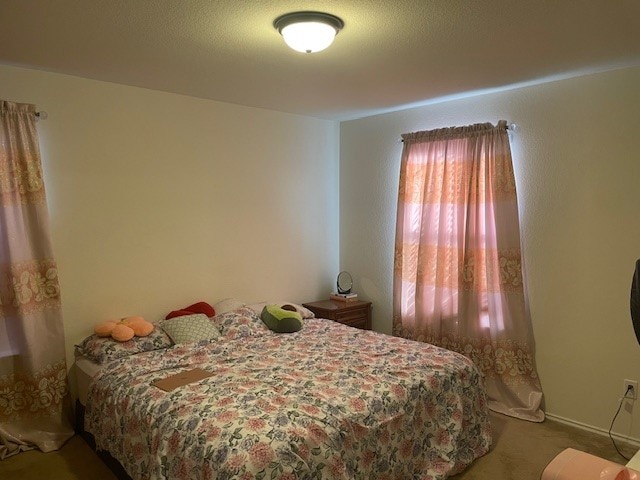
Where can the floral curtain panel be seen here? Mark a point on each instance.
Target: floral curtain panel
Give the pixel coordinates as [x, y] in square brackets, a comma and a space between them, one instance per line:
[34, 410]
[458, 268]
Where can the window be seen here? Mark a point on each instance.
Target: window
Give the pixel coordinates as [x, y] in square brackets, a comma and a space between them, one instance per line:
[7, 348]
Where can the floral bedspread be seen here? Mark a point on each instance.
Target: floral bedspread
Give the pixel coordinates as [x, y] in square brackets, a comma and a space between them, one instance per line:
[327, 402]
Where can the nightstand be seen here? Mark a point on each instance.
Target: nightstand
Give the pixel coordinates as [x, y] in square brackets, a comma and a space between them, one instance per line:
[355, 313]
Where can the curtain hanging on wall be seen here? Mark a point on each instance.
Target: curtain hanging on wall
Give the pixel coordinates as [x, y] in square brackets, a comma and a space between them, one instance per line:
[34, 409]
[458, 271]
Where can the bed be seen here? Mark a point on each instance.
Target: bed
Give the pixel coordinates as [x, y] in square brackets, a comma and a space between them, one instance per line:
[327, 402]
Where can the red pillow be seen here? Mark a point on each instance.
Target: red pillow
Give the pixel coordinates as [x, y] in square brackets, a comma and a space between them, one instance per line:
[178, 313]
[200, 307]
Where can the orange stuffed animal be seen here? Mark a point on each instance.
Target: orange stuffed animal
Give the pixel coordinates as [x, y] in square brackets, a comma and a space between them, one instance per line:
[125, 329]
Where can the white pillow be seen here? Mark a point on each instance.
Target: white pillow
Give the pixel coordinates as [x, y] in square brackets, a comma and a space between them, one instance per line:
[228, 305]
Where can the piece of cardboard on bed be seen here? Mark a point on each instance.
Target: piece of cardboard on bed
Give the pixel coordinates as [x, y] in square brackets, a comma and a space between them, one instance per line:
[181, 379]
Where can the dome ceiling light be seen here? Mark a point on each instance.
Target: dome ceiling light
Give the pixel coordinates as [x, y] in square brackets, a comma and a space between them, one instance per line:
[308, 32]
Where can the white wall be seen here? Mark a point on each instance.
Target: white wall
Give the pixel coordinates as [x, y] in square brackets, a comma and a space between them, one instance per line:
[577, 165]
[159, 200]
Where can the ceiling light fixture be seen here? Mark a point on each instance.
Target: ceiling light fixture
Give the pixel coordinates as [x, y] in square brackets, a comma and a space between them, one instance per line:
[308, 32]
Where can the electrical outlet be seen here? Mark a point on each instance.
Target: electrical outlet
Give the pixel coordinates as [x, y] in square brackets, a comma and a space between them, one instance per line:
[633, 393]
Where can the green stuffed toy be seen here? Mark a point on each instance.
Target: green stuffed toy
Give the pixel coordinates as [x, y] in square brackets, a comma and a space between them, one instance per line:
[281, 319]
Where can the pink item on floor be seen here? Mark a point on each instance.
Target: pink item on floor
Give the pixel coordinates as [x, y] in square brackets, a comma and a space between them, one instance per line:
[572, 464]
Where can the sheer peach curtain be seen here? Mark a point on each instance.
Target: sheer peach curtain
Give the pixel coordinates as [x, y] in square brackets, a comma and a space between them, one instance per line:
[458, 271]
[34, 410]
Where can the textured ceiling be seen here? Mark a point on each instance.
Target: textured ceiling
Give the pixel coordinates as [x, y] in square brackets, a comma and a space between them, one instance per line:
[391, 53]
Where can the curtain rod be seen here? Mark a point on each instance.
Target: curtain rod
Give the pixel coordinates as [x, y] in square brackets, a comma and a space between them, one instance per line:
[42, 115]
[511, 127]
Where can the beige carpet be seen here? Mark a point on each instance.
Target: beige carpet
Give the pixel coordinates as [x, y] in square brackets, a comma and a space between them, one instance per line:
[521, 451]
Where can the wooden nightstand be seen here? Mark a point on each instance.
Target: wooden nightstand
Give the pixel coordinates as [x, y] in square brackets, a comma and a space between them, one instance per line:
[355, 314]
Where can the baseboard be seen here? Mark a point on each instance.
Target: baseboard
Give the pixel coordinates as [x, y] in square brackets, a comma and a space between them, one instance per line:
[590, 428]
